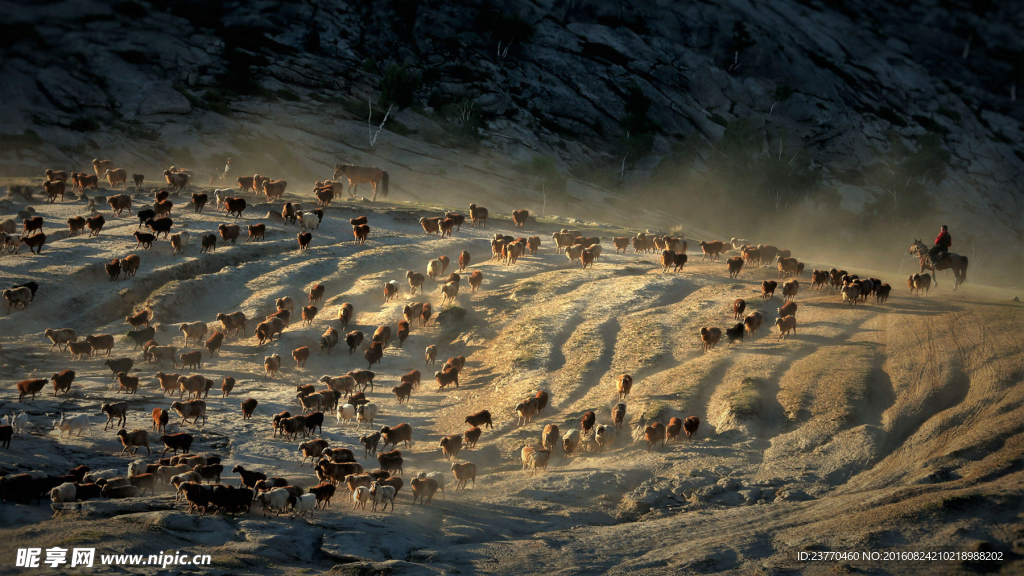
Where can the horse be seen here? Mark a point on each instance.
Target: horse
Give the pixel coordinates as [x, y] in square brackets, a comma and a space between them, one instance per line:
[951, 261]
[358, 174]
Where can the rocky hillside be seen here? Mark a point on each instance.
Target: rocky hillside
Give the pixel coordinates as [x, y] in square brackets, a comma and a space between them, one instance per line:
[599, 93]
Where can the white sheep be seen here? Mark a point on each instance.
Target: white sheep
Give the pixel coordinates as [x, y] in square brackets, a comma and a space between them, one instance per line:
[360, 496]
[382, 495]
[434, 268]
[64, 493]
[71, 425]
[366, 413]
[346, 412]
[303, 504]
[274, 500]
[136, 468]
[19, 422]
[92, 477]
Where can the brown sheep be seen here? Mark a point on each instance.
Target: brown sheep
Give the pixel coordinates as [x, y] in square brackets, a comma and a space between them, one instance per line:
[735, 266]
[587, 423]
[446, 378]
[257, 232]
[75, 225]
[625, 384]
[214, 342]
[790, 289]
[533, 244]
[450, 446]
[345, 314]
[464, 259]
[308, 314]
[116, 177]
[300, 355]
[519, 217]
[26, 387]
[120, 203]
[481, 418]
[464, 471]
[233, 323]
[621, 243]
[134, 439]
[425, 316]
[619, 414]
[373, 354]
[235, 206]
[403, 332]
[80, 350]
[34, 243]
[304, 239]
[786, 324]
[316, 293]
[160, 419]
[653, 434]
[768, 288]
[690, 426]
[550, 437]
[738, 306]
[712, 249]
[95, 224]
[478, 215]
[130, 384]
[788, 310]
[709, 337]
[398, 434]
[675, 426]
[62, 381]
[472, 436]
[361, 233]
[226, 386]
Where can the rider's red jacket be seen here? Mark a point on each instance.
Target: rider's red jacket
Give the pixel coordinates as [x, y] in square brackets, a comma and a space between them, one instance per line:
[944, 240]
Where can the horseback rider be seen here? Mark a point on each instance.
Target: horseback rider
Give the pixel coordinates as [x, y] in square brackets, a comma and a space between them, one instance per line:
[943, 242]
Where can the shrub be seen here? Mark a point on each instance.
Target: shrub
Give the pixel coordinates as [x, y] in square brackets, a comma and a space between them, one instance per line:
[398, 86]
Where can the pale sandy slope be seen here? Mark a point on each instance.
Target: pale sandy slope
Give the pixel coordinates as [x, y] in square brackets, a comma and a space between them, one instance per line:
[875, 427]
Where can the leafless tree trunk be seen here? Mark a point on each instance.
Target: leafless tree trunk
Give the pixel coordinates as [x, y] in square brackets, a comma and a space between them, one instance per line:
[369, 121]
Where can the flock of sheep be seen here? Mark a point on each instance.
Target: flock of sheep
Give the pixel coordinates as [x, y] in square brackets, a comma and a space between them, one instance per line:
[197, 478]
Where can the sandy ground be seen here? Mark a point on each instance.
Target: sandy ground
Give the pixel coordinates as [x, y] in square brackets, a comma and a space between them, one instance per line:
[874, 428]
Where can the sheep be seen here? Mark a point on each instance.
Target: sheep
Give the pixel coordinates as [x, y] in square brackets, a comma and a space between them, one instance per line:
[34, 243]
[229, 232]
[604, 437]
[519, 217]
[33, 386]
[882, 293]
[753, 322]
[69, 425]
[654, 433]
[373, 354]
[768, 288]
[193, 384]
[133, 439]
[62, 381]
[434, 269]
[360, 496]
[160, 419]
[481, 418]
[587, 422]
[193, 359]
[403, 392]
[18, 298]
[392, 462]
[58, 336]
[712, 249]
[63, 493]
[450, 446]
[423, 489]
[179, 241]
[312, 449]
[446, 378]
[346, 412]
[369, 442]
[430, 225]
[265, 331]
[401, 433]
[415, 281]
[174, 442]
[571, 441]
[690, 426]
[118, 411]
[916, 282]
[353, 339]
[709, 337]
[193, 330]
[449, 291]
[366, 413]
[80, 350]
[193, 409]
[526, 411]
[233, 323]
[790, 289]
[425, 316]
[140, 318]
[130, 264]
[431, 354]
[361, 233]
[344, 383]
[464, 471]
[735, 333]
[120, 203]
[478, 214]
[786, 324]
[248, 407]
[574, 253]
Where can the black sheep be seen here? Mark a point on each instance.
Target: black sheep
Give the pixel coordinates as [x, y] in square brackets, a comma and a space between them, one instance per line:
[735, 333]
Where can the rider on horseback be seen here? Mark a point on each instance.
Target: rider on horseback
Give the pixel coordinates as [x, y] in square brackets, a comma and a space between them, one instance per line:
[942, 244]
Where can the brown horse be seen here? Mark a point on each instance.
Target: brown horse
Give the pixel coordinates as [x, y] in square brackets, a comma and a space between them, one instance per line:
[359, 174]
[954, 262]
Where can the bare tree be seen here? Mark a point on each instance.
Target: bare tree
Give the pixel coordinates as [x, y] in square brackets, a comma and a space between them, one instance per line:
[369, 121]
